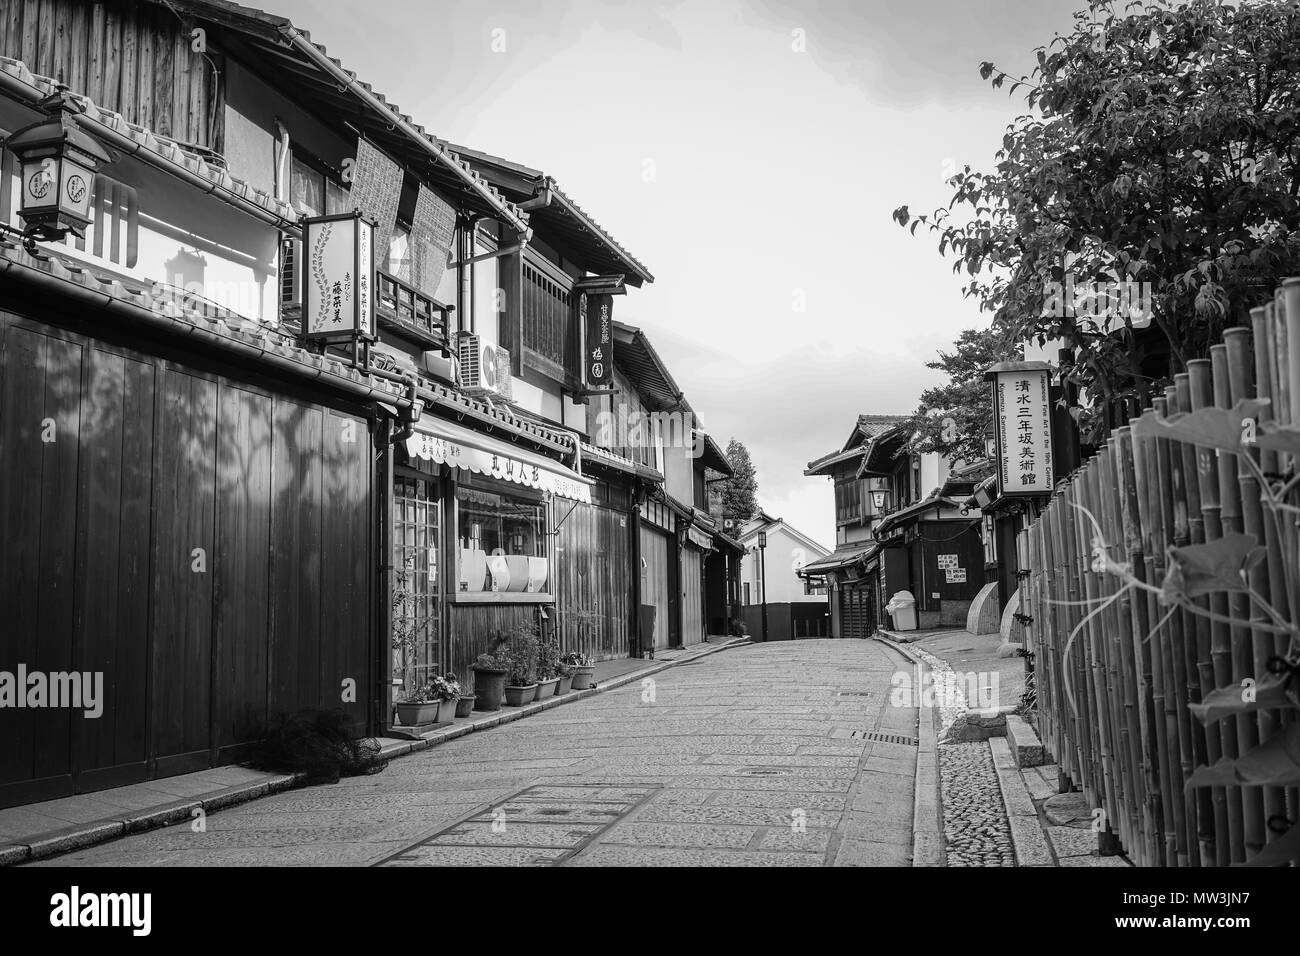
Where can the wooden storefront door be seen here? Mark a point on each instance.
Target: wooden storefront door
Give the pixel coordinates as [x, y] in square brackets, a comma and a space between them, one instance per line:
[417, 618]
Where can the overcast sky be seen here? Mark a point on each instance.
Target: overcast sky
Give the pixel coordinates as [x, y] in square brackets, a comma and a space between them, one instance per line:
[750, 154]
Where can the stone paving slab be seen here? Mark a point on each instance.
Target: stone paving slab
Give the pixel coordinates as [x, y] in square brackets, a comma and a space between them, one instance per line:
[731, 764]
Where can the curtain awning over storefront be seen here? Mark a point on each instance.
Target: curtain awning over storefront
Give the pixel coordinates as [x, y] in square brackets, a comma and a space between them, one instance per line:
[440, 441]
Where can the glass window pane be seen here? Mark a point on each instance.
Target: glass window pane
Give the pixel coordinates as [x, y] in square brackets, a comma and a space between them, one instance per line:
[502, 542]
[307, 188]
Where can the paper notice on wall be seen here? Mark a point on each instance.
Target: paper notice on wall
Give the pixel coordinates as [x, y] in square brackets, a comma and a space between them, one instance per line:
[955, 575]
[947, 561]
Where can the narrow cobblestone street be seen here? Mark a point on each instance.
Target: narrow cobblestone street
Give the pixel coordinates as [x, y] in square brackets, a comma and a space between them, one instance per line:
[779, 754]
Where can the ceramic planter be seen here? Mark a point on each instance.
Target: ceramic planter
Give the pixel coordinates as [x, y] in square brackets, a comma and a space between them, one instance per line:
[582, 676]
[565, 685]
[412, 715]
[518, 696]
[545, 688]
[446, 711]
[465, 705]
[488, 688]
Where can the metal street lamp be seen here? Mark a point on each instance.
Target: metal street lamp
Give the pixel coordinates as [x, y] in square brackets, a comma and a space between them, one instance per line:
[762, 564]
[57, 162]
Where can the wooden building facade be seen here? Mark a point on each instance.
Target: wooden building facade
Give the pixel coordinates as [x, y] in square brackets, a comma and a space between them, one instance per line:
[227, 522]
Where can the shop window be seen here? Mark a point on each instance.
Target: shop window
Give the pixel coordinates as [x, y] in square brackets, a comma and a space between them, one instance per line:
[502, 542]
[398, 264]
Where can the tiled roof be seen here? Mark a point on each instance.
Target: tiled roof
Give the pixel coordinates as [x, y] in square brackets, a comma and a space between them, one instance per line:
[42, 86]
[277, 29]
[205, 317]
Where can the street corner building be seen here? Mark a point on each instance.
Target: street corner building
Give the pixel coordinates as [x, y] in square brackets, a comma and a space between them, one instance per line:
[905, 528]
[301, 405]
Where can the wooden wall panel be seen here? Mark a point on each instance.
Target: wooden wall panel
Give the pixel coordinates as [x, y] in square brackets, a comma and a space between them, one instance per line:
[241, 565]
[149, 460]
[657, 550]
[114, 524]
[345, 580]
[295, 553]
[475, 626]
[184, 503]
[130, 57]
[593, 575]
[692, 597]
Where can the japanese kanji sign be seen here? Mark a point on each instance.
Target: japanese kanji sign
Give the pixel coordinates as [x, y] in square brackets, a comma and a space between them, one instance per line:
[598, 353]
[1023, 412]
[338, 278]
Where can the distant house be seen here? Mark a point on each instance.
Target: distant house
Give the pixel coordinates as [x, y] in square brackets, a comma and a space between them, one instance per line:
[902, 524]
[795, 608]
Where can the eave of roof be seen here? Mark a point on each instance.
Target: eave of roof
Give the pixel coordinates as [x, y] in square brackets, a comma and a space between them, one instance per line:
[915, 510]
[528, 183]
[290, 54]
[840, 558]
[638, 359]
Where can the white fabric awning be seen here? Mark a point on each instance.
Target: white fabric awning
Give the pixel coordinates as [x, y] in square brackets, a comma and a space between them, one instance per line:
[441, 441]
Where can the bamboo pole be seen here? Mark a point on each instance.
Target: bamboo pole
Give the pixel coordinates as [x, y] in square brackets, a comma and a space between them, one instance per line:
[1201, 387]
[1153, 849]
[1144, 460]
[1213, 807]
[1252, 801]
[1241, 386]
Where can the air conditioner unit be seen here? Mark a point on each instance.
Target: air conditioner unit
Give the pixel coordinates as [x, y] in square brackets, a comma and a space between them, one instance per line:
[484, 367]
[438, 365]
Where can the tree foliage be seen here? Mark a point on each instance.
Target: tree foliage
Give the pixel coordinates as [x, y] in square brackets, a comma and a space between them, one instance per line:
[739, 493]
[952, 417]
[1160, 148]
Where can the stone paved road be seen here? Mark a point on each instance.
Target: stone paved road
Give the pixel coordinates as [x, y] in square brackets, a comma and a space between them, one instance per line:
[756, 756]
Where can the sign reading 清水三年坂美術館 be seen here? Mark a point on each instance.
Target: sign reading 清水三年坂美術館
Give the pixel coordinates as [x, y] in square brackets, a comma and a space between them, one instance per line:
[1022, 410]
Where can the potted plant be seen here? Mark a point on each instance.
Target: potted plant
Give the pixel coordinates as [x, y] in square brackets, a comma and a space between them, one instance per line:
[584, 668]
[548, 676]
[490, 672]
[434, 703]
[565, 673]
[521, 682]
[465, 704]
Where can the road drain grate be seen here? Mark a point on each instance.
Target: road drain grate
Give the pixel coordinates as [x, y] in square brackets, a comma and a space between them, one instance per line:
[886, 738]
[853, 693]
[523, 830]
[763, 771]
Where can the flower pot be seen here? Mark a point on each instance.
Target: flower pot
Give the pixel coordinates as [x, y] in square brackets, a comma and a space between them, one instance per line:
[446, 711]
[488, 688]
[565, 685]
[582, 676]
[412, 715]
[465, 705]
[545, 688]
[518, 696]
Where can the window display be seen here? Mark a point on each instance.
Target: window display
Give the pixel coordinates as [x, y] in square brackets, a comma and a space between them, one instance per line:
[502, 542]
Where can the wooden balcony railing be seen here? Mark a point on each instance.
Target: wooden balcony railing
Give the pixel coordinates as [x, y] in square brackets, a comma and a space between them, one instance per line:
[401, 309]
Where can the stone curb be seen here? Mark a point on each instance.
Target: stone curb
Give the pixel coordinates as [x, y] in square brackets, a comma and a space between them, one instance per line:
[82, 835]
[1027, 837]
[927, 818]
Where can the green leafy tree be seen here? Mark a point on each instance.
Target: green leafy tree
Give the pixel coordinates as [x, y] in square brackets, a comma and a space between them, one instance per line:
[1159, 153]
[739, 493]
[953, 417]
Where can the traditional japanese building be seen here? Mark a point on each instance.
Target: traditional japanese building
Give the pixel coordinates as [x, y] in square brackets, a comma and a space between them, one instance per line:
[305, 410]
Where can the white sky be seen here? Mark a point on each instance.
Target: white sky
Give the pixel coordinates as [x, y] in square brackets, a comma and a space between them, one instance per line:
[774, 176]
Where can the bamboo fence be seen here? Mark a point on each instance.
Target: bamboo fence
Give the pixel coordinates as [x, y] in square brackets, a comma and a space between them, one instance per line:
[1117, 669]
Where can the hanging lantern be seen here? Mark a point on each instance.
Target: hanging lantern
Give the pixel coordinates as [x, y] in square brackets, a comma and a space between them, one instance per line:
[57, 162]
[338, 278]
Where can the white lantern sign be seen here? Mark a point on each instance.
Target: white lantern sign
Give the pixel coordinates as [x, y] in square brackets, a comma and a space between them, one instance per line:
[338, 277]
[1022, 410]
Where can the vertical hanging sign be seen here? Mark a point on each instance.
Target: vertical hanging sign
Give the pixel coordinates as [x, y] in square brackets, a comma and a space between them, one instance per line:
[1022, 411]
[338, 278]
[597, 312]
